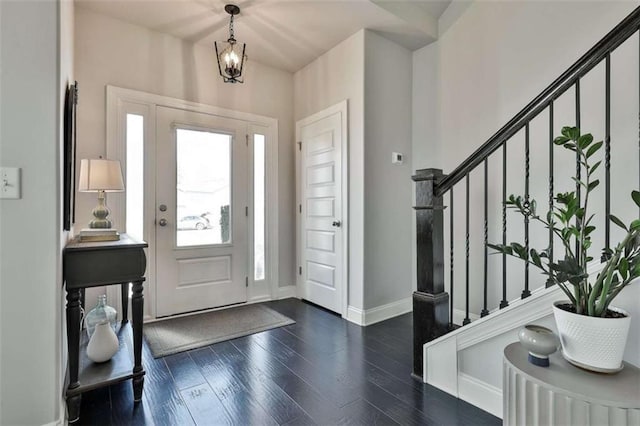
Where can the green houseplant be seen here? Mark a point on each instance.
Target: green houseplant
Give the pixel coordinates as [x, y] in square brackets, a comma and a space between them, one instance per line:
[589, 300]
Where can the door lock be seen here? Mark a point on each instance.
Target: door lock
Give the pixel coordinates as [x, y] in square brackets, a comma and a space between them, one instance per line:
[336, 224]
[162, 222]
[162, 208]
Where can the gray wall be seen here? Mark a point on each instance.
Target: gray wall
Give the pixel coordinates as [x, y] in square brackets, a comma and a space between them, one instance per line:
[387, 188]
[35, 53]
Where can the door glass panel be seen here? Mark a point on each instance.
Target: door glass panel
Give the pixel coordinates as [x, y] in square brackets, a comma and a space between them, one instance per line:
[135, 175]
[258, 206]
[203, 188]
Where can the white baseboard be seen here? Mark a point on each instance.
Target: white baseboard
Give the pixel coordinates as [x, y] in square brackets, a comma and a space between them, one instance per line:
[480, 394]
[62, 419]
[287, 292]
[379, 313]
[355, 315]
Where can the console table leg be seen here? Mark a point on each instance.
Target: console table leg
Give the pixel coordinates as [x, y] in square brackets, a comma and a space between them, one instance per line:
[73, 408]
[137, 309]
[73, 346]
[124, 291]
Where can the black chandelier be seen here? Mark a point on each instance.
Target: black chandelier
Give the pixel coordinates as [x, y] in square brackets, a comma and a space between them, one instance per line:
[230, 53]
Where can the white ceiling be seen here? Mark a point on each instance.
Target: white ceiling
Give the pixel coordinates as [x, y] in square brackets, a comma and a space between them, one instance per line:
[285, 34]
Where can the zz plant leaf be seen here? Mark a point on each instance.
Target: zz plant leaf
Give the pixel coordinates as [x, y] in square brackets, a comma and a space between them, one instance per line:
[570, 222]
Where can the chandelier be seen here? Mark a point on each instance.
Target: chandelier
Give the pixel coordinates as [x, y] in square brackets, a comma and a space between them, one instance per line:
[230, 53]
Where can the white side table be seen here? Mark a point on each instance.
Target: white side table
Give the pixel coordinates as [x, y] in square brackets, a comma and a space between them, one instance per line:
[563, 394]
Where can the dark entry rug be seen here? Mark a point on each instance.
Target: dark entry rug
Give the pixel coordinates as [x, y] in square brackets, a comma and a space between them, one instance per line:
[173, 335]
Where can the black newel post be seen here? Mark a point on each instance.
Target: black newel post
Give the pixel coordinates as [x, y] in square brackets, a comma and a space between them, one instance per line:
[430, 302]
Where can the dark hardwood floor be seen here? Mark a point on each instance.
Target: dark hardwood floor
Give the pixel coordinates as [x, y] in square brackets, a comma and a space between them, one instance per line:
[322, 370]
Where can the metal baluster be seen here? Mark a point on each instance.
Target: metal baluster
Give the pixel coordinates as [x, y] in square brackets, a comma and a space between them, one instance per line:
[549, 280]
[466, 318]
[607, 155]
[578, 167]
[451, 286]
[527, 207]
[485, 311]
[504, 303]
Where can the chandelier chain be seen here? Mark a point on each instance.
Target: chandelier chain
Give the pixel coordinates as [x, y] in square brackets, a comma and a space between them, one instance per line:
[231, 35]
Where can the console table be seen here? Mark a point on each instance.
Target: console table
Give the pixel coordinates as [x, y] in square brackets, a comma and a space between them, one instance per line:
[563, 394]
[96, 264]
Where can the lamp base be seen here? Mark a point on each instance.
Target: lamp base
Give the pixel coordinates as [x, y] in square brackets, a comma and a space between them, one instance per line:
[100, 224]
[100, 214]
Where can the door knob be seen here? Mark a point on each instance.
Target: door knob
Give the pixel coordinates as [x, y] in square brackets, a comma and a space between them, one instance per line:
[162, 222]
[336, 223]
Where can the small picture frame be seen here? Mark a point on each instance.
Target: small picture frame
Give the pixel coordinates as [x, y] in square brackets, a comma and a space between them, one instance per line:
[69, 156]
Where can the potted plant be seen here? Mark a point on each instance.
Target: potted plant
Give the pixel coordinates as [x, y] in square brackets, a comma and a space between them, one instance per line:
[592, 332]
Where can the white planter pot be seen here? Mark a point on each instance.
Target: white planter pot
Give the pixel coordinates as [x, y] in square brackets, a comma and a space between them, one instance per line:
[592, 343]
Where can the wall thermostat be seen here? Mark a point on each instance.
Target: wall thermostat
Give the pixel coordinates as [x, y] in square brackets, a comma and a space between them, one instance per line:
[396, 158]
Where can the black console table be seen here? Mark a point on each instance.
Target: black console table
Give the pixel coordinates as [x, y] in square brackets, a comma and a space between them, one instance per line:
[96, 264]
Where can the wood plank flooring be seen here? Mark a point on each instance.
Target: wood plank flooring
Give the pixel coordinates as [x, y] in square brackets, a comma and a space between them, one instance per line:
[322, 370]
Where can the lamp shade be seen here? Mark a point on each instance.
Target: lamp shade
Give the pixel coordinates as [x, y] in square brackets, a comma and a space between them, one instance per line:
[100, 175]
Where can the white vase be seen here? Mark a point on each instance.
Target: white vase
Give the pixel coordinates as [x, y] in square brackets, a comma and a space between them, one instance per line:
[103, 343]
[592, 343]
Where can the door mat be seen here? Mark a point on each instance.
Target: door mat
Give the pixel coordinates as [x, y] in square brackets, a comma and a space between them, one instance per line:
[173, 335]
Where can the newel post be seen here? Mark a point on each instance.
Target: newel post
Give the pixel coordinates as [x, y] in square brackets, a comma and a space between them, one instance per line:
[430, 302]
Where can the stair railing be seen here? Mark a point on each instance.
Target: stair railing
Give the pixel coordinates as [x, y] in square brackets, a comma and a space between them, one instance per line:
[433, 307]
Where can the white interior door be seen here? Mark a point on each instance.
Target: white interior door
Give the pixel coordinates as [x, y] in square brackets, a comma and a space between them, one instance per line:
[201, 222]
[321, 248]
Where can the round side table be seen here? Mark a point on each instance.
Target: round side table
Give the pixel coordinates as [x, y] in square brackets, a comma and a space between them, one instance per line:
[563, 394]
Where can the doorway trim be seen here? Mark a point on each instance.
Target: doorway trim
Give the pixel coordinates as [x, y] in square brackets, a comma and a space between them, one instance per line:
[342, 109]
[122, 101]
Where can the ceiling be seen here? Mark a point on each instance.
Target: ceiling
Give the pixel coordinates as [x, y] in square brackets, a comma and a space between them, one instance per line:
[285, 34]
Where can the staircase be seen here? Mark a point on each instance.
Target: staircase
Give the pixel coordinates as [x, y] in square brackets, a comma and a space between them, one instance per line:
[451, 314]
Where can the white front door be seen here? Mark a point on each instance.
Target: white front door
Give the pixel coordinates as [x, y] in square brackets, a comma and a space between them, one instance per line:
[201, 222]
[321, 248]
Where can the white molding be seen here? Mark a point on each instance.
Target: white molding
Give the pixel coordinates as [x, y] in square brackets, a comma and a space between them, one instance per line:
[440, 366]
[504, 319]
[120, 101]
[379, 313]
[287, 292]
[342, 109]
[459, 315]
[355, 315]
[481, 394]
[390, 310]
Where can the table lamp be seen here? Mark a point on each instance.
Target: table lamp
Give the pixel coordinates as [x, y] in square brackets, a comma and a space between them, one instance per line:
[100, 175]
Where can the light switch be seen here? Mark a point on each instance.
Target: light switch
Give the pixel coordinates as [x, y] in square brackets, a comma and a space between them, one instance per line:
[9, 183]
[397, 158]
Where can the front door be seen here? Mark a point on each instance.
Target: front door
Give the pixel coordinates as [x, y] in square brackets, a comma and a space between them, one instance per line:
[321, 236]
[201, 222]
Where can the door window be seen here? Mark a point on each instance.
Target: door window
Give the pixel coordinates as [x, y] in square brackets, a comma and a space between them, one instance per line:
[203, 188]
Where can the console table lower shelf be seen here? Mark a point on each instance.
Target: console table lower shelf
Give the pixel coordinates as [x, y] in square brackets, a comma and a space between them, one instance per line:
[563, 394]
[95, 375]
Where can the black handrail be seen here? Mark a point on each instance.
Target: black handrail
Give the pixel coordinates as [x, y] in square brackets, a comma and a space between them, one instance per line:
[589, 60]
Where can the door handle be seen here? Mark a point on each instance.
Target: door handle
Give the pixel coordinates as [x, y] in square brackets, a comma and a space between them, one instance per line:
[162, 222]
[336, 224]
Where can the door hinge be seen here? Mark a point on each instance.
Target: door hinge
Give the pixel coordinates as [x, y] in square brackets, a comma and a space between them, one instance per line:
[300, 146]
[300, 208]
[246, 281]
[246, 211]
[247, 139]
[299, 270]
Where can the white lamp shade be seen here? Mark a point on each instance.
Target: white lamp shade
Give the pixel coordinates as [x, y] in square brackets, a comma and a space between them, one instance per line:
[100, 175]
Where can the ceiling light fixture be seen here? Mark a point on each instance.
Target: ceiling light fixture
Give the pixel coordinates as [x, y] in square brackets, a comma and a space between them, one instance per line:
[230, 53]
